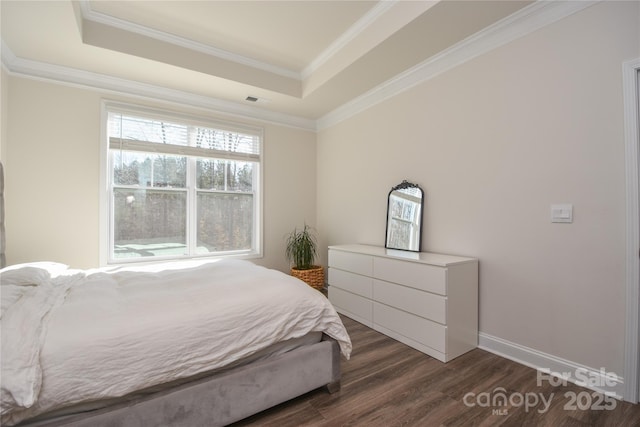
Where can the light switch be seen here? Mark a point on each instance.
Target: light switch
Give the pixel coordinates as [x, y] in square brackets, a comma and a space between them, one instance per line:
[562, 213]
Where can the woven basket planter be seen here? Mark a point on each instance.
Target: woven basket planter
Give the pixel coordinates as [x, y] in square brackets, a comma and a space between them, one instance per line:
[313, 277]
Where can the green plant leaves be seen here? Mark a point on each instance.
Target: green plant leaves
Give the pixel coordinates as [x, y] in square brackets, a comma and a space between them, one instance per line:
[301, 248]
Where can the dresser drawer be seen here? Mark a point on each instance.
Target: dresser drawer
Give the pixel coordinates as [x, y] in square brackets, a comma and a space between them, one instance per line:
[414, 327]
[423, 304]
[352, 305]
[419, 276]
[354, 283]
[349, 261]
[425, 300]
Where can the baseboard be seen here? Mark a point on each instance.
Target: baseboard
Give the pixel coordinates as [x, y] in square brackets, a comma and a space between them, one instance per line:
[595, 379]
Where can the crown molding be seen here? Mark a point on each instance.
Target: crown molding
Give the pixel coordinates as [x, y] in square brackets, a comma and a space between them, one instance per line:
[101, 18]
[354, 31]
[527, 20]
[85, 79]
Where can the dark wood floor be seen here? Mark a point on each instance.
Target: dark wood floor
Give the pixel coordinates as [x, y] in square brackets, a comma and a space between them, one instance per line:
[389, 384]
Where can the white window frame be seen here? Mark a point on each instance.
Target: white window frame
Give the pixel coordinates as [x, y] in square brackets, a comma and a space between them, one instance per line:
[106, 196]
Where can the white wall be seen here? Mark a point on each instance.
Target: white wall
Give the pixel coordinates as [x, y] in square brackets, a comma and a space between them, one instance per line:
[494, 142]
[53, 175]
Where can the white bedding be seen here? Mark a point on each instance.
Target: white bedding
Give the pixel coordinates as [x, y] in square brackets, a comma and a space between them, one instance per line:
[108, 332]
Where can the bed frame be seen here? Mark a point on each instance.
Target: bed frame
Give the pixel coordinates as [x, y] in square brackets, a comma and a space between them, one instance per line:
[224, 398]
[217, 400]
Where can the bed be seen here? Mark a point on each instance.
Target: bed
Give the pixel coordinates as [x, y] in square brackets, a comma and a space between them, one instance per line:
[189, 343]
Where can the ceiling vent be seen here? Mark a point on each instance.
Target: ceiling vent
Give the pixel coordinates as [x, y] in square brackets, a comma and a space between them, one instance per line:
[257, 100]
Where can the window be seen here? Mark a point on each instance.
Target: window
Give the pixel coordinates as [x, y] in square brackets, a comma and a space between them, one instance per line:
[181, 187]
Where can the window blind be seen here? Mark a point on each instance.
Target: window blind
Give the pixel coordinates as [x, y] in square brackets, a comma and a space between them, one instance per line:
[166, 135]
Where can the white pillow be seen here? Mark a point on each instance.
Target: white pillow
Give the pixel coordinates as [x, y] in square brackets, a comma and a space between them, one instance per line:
[31, 273]
[17, 280]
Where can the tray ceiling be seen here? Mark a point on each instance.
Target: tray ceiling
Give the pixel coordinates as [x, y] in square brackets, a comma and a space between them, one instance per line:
[299, 58]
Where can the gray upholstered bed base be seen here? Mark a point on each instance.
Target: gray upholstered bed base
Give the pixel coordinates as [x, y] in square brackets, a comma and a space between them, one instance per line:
[227, 397]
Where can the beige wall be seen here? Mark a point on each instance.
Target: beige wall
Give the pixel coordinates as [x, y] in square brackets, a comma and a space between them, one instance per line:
[53, 175]
[494, 143]
[3, 113]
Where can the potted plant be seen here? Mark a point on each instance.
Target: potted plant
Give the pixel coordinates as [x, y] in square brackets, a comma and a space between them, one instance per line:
[301, 251]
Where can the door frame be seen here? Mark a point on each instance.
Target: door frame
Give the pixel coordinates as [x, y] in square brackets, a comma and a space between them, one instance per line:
[631, 97]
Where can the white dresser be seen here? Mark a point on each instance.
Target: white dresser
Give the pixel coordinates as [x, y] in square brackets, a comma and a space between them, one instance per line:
[428, 301]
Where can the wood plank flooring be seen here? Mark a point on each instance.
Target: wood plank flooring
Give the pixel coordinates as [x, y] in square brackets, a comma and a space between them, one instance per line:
[386, 383]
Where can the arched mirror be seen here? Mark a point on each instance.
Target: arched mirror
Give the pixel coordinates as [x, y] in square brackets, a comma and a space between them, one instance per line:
[404, 217]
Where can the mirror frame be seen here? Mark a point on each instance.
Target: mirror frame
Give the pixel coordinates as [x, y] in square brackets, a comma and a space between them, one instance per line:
[402, 186]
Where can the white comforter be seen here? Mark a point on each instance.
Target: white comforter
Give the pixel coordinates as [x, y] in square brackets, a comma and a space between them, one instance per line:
[72, 336]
